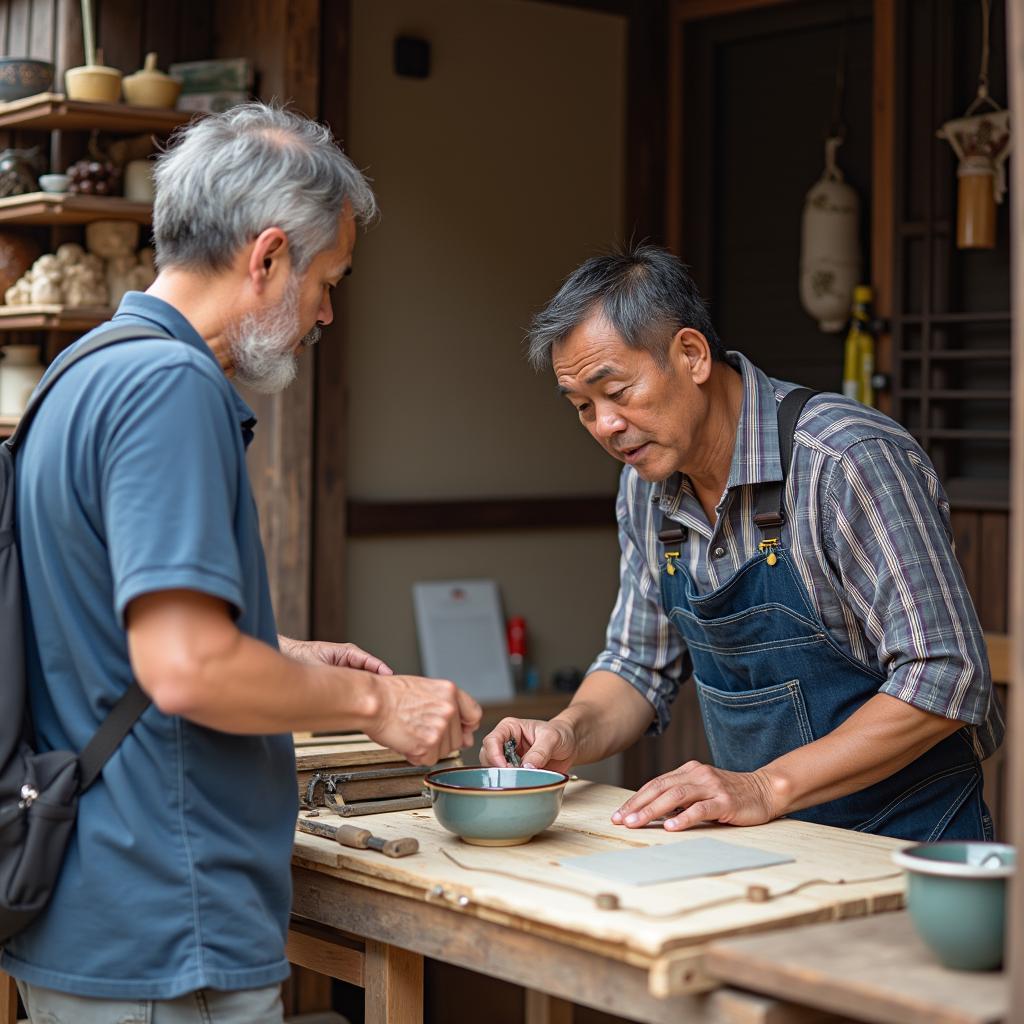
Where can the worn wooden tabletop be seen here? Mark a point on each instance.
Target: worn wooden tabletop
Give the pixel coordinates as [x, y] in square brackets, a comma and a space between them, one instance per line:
[836, 874]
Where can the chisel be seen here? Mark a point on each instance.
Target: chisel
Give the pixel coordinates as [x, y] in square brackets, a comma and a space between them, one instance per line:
[363, 839]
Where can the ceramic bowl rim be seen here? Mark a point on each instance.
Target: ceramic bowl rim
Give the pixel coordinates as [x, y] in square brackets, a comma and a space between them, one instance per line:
[430, 780]
[952, 869]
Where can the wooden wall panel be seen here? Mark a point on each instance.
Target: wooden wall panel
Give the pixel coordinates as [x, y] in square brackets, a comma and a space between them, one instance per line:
[1015, 908]
[982, 545]
[330, 491]
[282, 38]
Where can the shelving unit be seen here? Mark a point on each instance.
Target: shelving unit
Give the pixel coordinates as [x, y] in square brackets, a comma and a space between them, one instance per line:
[52, 111]
[52, 318]
[48, 112]
[58, 209]
[950, 318]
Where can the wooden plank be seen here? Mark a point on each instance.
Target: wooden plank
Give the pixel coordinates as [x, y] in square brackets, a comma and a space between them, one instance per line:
[839, 874]
[65, 208]
[52, 111]
[998, 645]
[376, 519]
[19, 27]
[993, 561]
[119, 33]
[534, 961]
[883, 196]
[394, 985]
[544, 1009]
[42, 37]
[965, 526]
[51, 318]
[733, 1006]
[281, 39]
[8, 999]
[329, 581]
[325, 952]
[1015, 909]
[877, 966]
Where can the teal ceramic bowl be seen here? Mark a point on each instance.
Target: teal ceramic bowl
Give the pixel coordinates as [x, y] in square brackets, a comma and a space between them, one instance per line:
[956, 893]
[496, 806]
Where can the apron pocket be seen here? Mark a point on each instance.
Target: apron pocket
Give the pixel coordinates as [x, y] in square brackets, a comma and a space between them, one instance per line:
[749, 728]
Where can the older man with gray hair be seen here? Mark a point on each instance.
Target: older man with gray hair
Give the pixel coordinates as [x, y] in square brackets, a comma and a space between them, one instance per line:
[143, 567]
[792, 552]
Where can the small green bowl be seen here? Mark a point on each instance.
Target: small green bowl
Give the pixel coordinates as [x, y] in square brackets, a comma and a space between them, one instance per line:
[496, 806]
[956, 893]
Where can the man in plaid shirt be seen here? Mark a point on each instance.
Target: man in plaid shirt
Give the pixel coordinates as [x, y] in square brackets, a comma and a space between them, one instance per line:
[792, 552]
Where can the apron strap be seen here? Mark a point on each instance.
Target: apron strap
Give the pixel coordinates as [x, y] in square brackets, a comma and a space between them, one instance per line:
[770, 514]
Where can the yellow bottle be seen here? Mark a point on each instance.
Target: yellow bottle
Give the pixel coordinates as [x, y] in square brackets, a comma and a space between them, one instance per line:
[859, 355]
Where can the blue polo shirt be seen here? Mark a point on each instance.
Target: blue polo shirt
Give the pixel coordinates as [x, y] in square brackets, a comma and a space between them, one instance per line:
[133, 480]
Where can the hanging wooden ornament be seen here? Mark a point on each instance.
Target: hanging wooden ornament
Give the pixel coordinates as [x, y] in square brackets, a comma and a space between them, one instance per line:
[982, 144]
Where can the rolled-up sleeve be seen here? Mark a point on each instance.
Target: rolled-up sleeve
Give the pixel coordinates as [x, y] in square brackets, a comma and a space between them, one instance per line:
[642, 646]
[888, 535]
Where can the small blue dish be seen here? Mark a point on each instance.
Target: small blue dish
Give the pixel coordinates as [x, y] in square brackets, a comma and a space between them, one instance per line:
[21, 77]
[496, 806]
[956, 894]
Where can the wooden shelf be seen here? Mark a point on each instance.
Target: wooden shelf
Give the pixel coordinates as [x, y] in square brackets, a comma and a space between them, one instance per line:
[987, 317]
[7, 425]
[65, 208]
[378, 519]
[939, 355]
[51, 318]
[49, 111]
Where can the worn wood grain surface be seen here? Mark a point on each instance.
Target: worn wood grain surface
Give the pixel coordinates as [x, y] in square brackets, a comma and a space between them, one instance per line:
[876, 968]
[841, 874]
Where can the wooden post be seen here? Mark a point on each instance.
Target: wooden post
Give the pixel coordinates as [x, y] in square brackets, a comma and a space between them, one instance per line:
[8, 999]
[1015, 742]
[544, 1009]
[393, 984]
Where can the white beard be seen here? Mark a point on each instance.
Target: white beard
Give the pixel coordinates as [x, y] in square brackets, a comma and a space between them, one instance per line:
[262, 344]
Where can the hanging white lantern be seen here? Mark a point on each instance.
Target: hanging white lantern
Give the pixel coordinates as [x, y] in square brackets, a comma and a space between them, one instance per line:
[830, 245]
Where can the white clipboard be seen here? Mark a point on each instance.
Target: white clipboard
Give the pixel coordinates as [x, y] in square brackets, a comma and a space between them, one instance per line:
[461, 631]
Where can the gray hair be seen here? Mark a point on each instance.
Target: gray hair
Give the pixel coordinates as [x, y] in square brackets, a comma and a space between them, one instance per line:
[644, 292]
[227, 177]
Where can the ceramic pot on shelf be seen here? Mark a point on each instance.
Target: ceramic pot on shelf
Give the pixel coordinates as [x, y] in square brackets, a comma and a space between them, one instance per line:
[150, 87]
[17, 253]
[20, 371]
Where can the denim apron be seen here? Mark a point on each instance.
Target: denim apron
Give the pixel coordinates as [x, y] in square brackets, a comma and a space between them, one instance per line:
[770, 679]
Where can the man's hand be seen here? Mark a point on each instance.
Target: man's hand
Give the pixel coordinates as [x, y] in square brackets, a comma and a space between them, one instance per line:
[550, 745]
[423, 719]
[321, 652]
[699, 792]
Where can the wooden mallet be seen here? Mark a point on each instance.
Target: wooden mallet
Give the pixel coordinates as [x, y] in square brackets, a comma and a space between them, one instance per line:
[363, 839]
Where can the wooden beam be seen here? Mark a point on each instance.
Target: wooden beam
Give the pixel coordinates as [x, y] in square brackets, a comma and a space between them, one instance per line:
[329, 579]
[325, 952]
[283, 40]
[1015, 742]
[394, 985]
[883, 160]
[544, 1009]
[8, 999]
[376, 519]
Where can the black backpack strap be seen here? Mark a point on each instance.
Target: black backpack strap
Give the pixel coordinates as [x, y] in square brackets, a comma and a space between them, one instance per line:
[769, 514]
[113, 335]
[107, 738]
[125, 713]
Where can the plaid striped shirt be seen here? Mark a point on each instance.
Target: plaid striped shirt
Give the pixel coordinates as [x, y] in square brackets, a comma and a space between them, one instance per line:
[867, 526]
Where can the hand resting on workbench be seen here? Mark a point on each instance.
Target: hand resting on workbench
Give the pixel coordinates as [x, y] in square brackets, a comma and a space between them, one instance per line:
[190, 657]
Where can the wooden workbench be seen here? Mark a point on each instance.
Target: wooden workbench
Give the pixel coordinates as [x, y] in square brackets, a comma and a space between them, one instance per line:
[516, 914]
